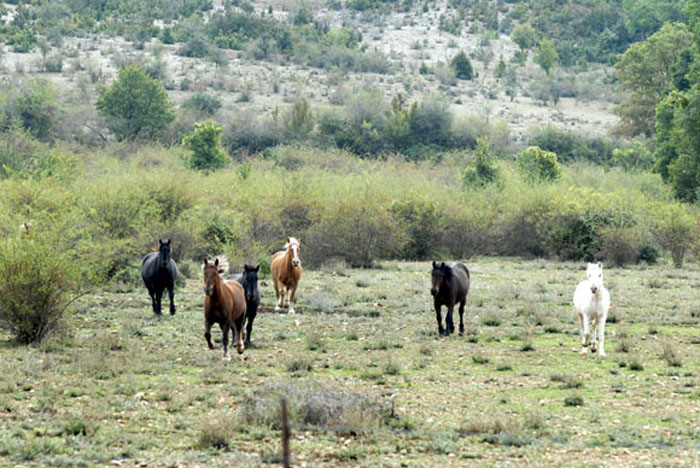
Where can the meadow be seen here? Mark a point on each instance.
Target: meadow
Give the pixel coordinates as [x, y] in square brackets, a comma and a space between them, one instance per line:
[368, 380]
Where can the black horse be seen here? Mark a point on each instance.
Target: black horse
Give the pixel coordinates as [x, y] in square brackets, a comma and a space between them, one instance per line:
[159, 271]
[249, 280]
[450, 286]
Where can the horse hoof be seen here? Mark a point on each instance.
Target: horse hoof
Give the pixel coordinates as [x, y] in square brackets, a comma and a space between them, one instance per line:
[601, 354]
[584, 351]
[277, 308]
[227, 357]
[172, 311]
[291, 312]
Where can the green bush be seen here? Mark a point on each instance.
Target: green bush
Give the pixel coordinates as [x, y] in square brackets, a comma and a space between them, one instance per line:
[37, 283]
[205, 144]
[538, 165]
[484, 172]
[462, 66]
[676, 232]
[420, 222]
[23, 157]
[357, 231]
[570, 146]
[204, 103]
[135, 105]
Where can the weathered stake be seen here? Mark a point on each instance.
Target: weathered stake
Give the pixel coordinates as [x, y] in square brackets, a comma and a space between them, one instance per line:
[285, 435]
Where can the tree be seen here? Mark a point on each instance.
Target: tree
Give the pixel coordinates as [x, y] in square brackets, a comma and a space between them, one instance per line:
[462, 66]
[646, 70]
[546, 55]
[483, 172]
[524, 35]
[205, 143]
[135, 105]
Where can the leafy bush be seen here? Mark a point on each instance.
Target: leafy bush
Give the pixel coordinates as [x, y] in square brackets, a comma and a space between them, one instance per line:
[419, 220]
[203, 103]
[620, 246]
[355, 230]
[484, 172]
[538, 165]
[205, 144]
[23, 157]
[675, 232]
[37, 283]
[134, 105]
[31, 106]
[637, 157]
[570, 146]
[462, 66]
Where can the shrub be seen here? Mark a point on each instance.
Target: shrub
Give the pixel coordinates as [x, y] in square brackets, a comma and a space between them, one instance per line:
[31, 106]
[635, 158]
[462, 66]
[205, 144]
[419, 220]
[299, 121]
[484, 172]
[134, 105]
[675, 233]
[203, 103]
[23, 157]
[620, 245]
[37, 283]
[314, 405]
[357, 231]
[569, 146]
[430, 122]
[538, 165]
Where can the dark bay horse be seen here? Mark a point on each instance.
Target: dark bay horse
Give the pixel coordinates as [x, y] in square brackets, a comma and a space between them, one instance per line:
[159, 271]
[249, 280]
[286, 272]
[224, 303]
[450, 286]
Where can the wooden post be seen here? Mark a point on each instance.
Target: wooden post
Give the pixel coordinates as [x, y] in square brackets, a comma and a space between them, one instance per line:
[285, 435]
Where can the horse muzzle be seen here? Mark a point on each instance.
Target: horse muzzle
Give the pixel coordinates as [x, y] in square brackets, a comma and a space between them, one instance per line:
[433, 292]
[594, 289]
[295, 263]
[250, 298]
[208, 291]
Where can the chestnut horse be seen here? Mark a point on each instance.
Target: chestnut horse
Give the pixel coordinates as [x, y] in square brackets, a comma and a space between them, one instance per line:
[286, 272]
[224, 304]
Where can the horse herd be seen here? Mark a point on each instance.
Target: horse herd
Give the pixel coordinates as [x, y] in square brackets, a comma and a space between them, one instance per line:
[232, 302]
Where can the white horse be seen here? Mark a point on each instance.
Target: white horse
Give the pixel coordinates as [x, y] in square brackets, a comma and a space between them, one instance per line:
[592, 302]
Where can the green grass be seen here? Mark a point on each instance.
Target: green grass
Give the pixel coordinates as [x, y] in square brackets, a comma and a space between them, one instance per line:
[120, 384]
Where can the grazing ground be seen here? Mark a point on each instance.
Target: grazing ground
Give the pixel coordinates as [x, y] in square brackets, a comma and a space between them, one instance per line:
[368, 380]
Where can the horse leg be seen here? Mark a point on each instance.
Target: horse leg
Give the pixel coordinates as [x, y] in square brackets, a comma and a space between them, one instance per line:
[238, 330]
[585, 333]
[461, 317]
[207, 333]
[292, 293]
[152, 295]
[438, 316]
[159, 298]
[250, 316]
[449, 324]
[171, 295]
[224, 340]
[601, 336]
[279, 295]
[594, 332]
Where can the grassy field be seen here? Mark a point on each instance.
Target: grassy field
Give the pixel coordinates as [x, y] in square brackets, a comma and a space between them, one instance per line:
[369, 382]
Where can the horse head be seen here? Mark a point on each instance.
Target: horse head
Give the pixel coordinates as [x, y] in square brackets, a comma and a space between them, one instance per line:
[164, 253]
[440, 273]
[293, 244]
[594, 272]
[211, 273]
[250, 281]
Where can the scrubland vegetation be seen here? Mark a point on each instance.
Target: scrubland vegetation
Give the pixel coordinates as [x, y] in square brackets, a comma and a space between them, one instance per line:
[383, 134]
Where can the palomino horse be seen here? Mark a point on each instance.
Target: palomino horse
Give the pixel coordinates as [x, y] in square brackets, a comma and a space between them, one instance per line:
[286, 272]
[224, 304]
[159, 272]
[592, 302]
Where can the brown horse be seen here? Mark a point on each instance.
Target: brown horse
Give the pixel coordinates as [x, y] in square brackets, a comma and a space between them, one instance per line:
[224, 304]
[286, 272]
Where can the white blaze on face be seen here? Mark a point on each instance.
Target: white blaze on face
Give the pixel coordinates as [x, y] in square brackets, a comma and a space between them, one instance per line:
[594, 272]
[295, 252]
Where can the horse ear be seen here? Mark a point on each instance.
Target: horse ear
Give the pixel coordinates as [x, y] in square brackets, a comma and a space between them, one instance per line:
[442, 265]
[434, 264]
[206, 261]
[216, 262]
[288, 241]
[168, 242]
[257, 268]
[160, 241]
